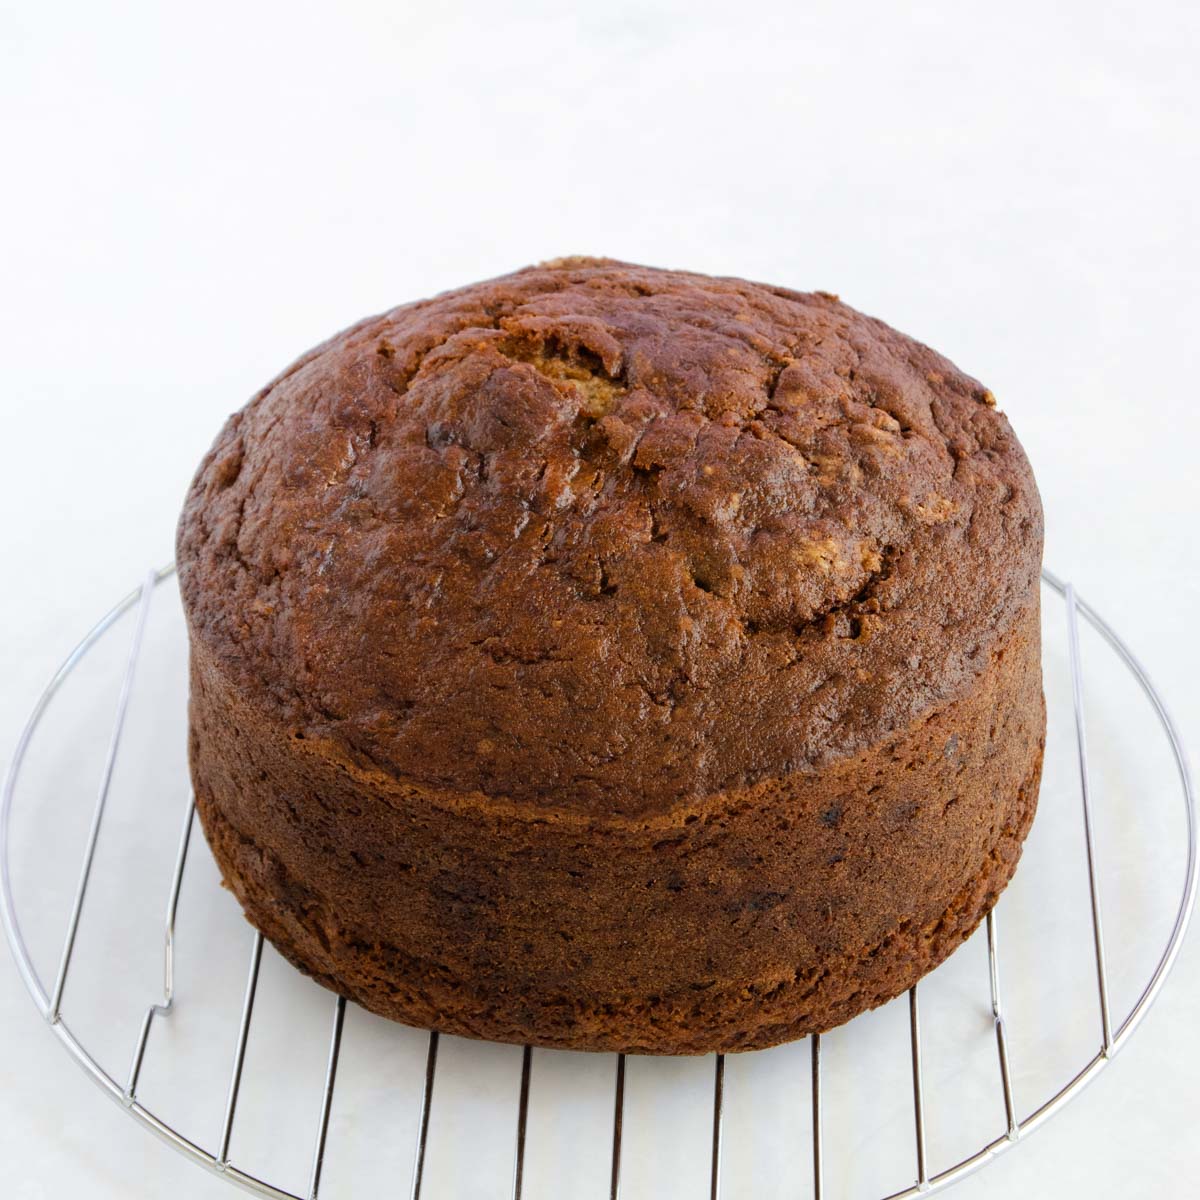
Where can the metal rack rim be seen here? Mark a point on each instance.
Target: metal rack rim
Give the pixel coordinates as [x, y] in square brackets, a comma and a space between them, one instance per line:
[219, 1165]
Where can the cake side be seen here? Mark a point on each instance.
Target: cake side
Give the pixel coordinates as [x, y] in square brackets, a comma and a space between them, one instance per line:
[777, 912]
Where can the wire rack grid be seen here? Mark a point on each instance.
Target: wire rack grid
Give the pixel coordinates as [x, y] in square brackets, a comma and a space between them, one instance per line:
[49, 1002]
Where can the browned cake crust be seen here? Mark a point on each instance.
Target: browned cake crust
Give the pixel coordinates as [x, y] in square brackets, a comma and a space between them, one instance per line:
[614, 658]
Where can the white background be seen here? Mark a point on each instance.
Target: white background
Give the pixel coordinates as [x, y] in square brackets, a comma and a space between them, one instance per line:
[192, 195]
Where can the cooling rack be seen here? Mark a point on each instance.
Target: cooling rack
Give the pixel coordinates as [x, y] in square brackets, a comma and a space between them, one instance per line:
[1115, 1024]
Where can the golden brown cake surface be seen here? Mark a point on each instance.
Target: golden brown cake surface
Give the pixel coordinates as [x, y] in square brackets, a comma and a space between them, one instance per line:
[616, 658]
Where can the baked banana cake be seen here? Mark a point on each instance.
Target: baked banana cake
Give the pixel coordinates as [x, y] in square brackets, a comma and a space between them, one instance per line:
[615, 658]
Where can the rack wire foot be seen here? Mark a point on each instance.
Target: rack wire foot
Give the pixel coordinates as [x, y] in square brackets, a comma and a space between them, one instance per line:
[164, 1006]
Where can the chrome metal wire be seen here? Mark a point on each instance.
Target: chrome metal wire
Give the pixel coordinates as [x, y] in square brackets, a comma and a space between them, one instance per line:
[714, 1187]
[815, 1058]
[239, 1053]
[914, 1033]
[1001, 1035]
[335, 1046]
[614, 1190]
[1085, 792]
[110, 761]
[162, 1007]
[522, 1122]
[50, 1004]
[423, 1118]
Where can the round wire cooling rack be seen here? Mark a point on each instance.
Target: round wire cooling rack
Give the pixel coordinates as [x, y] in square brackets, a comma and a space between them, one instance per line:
[1117, 1021]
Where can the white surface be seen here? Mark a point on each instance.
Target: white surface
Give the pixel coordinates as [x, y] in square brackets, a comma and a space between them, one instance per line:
[193, 196]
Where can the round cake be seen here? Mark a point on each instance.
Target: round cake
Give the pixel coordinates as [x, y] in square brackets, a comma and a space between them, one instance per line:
[613, 658]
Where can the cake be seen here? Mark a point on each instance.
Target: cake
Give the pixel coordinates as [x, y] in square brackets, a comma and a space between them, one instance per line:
[613, 658]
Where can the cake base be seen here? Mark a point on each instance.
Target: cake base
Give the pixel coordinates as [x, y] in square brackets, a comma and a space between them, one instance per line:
[720, 1020]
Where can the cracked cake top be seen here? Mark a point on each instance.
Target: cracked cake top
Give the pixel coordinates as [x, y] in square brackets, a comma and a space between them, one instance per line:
[606, 539]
